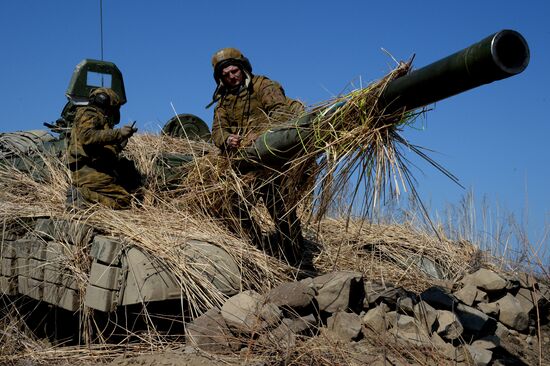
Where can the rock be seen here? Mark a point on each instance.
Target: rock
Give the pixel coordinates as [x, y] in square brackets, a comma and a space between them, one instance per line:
[467, 294]
[339, 291]
[439, 298]
[543, 295]
[512, 313]
[405, 304]
[442, 346]
[526, 299]
[345, 326]
[489, 308]
[489, 342]
[426, 316]
[375, 319]
[458, 354]
[429, 267]
[391, 319]
[437, 340]
[376, 294]
[373, 291]
[247, 312]
[472, 319]
[407, 324]
[292, 296]
[285, 334]
[308, 281]
[480, 356]
[444, 284]
[486, 280]
[481, 296]
[502, 331]
[416, 338]
[301, 324]
[280, 338]
[210, 333]
[450, 327]
[512, 285]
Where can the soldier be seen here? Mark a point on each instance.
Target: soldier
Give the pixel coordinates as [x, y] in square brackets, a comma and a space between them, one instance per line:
[247, 106]
[99, 174]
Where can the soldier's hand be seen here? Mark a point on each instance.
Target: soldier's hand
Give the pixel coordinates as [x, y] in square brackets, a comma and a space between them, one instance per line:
[233, 141]
[123, 144]
[127, 131]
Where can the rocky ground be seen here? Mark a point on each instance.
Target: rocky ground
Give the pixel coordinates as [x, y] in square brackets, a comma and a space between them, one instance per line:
[340, 318]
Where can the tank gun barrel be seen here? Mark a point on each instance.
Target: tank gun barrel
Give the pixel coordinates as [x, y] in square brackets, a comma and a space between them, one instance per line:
[498, 56]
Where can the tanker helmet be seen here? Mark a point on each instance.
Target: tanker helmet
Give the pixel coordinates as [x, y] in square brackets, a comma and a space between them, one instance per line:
[229, 56]
[105, 98]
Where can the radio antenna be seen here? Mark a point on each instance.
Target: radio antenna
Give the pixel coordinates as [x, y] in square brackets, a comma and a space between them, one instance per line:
[101, 33]
[101, 26]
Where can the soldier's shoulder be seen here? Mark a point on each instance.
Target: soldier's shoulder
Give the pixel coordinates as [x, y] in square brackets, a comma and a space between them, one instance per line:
[87, 116]
[87, 111]
[260, 79]
[261, 82]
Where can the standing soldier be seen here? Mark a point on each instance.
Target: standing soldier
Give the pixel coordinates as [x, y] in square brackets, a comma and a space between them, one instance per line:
[98, 173]
[247, 106]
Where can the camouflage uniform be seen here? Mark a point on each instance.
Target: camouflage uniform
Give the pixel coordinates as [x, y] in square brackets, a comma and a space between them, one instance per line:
[248, 112]
[251, 111]
[97, 172]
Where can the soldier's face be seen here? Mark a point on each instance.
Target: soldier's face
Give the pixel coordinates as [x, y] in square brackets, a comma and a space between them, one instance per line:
[232, 76]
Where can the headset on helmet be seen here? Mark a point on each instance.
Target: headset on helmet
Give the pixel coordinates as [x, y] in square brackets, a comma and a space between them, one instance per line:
[104, 98]
[109, 101]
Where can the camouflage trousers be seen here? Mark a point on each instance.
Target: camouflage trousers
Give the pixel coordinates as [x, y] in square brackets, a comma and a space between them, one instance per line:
[110, 187]
[288, 241]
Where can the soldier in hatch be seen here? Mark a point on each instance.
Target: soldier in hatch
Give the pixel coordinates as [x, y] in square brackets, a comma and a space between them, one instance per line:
[99, 174]
[247, 106]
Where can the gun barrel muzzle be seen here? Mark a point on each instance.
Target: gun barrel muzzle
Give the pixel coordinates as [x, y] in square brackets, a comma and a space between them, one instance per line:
[498, 56]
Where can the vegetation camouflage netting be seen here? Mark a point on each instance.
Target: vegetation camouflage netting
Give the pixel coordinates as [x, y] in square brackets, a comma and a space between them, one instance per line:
[351, 155]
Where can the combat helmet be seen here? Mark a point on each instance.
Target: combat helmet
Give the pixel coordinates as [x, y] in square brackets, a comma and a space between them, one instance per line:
[223, 58]
[229, 56]
[105, 98]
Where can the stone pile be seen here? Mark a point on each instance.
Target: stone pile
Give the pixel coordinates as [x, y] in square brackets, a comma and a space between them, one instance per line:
[467, 322]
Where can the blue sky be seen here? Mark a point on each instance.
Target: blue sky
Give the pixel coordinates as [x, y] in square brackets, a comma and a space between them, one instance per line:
[494, 138]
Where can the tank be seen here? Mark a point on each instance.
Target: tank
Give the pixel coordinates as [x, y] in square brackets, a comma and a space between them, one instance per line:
[37, 253]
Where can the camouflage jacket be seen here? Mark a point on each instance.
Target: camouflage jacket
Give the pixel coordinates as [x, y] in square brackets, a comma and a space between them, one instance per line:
[93, 141]
[252, 111]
